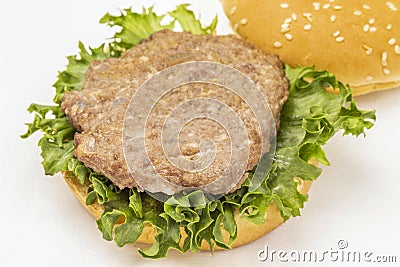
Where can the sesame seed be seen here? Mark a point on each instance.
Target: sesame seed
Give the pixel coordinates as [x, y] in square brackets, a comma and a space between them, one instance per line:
[336, 33]
[339, 39]
[243, 21]
[331, 1]
[277, 44]
[288, 20]
[371, 21]
[233, 10]
[391, 6]
[384, 59]
[235, 26]
[386, 71]
[288, 36]
[365, 46]
[392, 41]
[294, 16]
[308, 16]
[357, 13]
[283, 30]
[366, 7]
[317, 5]
[397, 49]
[337, 7]
[366, 28]
[369, 78]
[372, 29]
[284, 5]
[326, 6]
[368, 50]
[333, 18]
[285, 25]
[389, 27]
[307, 27]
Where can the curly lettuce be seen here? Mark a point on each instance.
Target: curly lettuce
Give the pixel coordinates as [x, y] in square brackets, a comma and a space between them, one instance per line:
[311, 116]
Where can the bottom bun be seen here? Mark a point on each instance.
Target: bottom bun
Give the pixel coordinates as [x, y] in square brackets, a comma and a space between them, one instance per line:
[247, 231]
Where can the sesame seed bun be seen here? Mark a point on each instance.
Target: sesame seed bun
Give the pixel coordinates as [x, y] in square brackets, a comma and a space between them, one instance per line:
[247, 231]
[357, 40]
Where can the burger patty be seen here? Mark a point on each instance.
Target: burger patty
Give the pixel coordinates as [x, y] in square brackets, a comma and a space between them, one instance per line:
[98, 111]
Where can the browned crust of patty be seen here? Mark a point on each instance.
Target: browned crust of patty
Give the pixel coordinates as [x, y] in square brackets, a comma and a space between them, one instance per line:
[97, 111]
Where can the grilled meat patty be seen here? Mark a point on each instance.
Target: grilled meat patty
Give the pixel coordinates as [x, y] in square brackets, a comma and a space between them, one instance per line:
[97, 112]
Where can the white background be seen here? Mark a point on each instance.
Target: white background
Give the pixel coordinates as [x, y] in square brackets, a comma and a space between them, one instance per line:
[41, 223]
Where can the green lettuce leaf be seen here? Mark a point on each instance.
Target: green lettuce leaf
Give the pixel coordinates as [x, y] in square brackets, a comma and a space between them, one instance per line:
[55, 158]
[189, 23]
[72, 77]
[309, 119]
[311, 116]
[134, 27]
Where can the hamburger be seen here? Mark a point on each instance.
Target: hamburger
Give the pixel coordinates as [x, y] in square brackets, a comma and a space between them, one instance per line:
[83, 136]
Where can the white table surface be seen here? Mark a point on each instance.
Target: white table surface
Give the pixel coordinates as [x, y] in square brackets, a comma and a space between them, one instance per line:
[42, 224]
